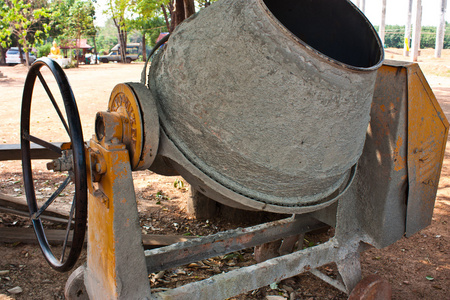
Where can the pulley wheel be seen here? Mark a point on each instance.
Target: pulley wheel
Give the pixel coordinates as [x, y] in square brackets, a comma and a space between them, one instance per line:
[372, 287]
[55, 89]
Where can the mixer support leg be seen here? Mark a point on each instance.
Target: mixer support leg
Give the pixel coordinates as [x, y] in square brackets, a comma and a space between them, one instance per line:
[115, 256]
[350, 270]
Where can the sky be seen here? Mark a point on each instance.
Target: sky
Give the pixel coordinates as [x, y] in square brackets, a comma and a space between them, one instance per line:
[396, 12]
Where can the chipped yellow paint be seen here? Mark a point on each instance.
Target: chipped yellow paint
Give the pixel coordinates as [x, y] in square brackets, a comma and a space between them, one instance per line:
[399, 161]
[427, 137]
[427, 127]
[101, 257]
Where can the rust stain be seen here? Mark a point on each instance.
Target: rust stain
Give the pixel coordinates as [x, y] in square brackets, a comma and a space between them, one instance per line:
[399, 161]
[383, 108]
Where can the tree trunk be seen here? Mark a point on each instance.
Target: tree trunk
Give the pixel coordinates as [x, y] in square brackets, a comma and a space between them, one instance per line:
[440, 30]
[383, 21]
[144, 47]
[95, 50]
[122, 36]
[183, 10]
[27, 59]
[408, 29]
[124, 47]
[21, 55]
[166, 18]
[77, 51]
[189, 8]
[178, 13]
[2, 55]
[416, 31]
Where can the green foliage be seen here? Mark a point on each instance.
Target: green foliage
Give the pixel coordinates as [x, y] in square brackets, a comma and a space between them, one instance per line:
[23, 21]
[72, 19]
[106, 37]
[120, 10]
[395, 36]
[43, 50]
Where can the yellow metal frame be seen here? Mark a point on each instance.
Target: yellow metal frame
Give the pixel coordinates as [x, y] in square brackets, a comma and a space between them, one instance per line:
[427, 137]
[114, 239]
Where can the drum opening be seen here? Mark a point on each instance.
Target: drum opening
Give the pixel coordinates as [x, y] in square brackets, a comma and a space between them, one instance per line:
[335, 28]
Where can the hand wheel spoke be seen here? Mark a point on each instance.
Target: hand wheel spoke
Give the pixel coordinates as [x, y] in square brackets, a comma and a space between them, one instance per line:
[52, 198]
[55, 105]
[69, 224]
[42, 143]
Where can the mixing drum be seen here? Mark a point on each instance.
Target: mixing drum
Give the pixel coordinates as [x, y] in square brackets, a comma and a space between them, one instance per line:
[271, 100]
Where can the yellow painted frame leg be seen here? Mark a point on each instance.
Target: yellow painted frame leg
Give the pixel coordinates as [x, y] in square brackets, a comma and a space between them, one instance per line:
[116, 266]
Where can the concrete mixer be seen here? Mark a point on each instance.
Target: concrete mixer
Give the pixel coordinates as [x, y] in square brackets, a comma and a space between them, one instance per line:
[260, 105]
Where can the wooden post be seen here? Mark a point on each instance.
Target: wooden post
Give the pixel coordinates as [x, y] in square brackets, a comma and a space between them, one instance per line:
[383, 21]
[440, 30]
[408, 29]
[416, 31]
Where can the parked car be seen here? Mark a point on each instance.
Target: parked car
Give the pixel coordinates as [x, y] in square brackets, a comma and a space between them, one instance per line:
[131, 55]
[13, 56]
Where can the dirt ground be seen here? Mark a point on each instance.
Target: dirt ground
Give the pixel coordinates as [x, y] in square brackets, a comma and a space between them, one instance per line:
[417, 267]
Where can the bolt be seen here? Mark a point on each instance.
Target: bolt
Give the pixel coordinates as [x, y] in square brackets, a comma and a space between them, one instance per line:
[51, 165]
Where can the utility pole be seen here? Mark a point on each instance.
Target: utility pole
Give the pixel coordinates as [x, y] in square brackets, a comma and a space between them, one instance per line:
[440, 30]
[383, 21]
[408, 29]
[416, 31]
[363, 6]
[358, 4]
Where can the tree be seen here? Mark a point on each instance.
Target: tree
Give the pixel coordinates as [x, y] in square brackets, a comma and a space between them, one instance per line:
[72, 19]
[23, 19]
[179, 10]
[118, 10]
[147, 15]
[4, 35]
[81, 20]
[148, 12]
[107, 37]
[148, 28]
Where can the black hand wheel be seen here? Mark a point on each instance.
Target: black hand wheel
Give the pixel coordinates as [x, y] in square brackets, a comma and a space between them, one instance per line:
[75, 164]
